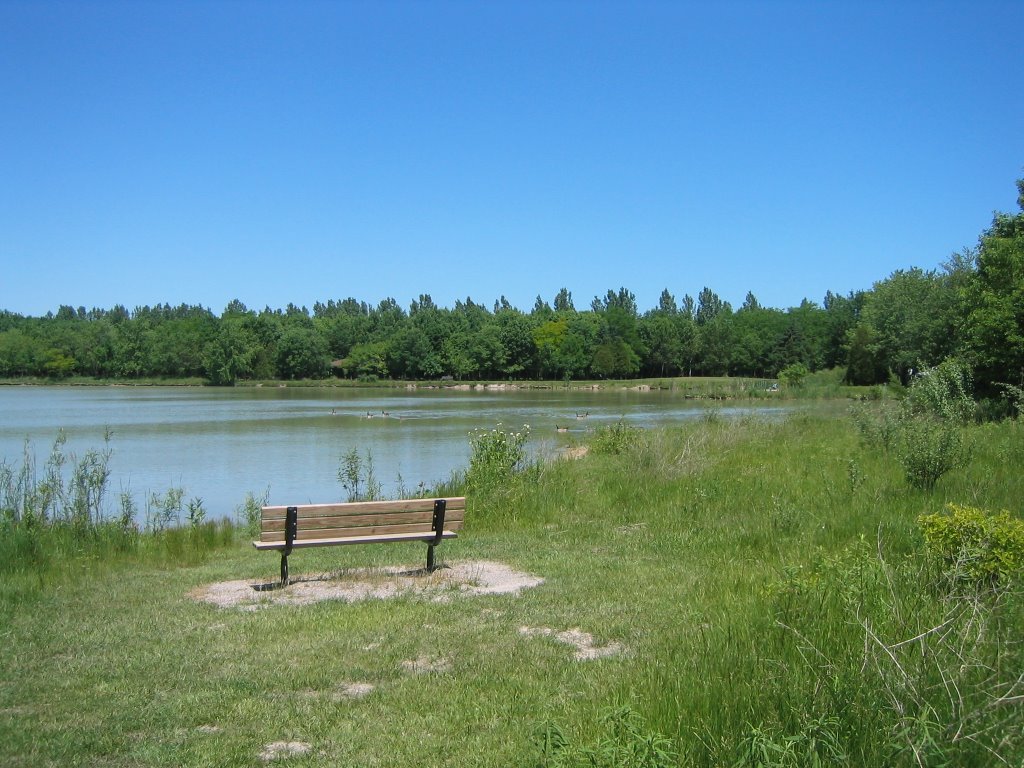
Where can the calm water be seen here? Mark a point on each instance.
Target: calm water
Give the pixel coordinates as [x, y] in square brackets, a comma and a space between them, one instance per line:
[218, 444]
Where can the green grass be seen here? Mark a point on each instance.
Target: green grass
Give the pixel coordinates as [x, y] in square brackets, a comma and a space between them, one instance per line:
[737, 561]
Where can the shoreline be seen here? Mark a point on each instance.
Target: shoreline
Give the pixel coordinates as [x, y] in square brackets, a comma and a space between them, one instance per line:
[825, 385]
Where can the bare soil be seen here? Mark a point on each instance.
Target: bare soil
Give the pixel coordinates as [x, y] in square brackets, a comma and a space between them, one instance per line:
[466, 579]
[582, 641]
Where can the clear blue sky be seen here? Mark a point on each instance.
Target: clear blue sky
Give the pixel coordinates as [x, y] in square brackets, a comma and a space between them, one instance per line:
[282, 152]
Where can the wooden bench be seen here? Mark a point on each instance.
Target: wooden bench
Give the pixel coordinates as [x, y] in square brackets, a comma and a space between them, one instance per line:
[362, 522]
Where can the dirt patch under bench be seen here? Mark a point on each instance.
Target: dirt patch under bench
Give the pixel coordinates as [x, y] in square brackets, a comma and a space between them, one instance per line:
[475, 577]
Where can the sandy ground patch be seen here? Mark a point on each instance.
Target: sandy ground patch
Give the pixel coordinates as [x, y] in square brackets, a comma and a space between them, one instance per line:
[279, 750]
[582, 641]
[425, 665]
[341, 692]
[353, 690]
[475, 577]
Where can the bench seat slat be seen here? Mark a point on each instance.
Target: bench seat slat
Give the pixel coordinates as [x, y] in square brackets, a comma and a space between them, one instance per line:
[452, 505]
[383, 538]
[363, 530]
[358, 521]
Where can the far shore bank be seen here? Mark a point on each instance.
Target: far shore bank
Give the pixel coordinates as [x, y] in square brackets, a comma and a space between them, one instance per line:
[822, 385]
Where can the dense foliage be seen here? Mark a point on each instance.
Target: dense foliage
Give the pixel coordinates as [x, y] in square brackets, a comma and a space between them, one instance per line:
[975, 546]
[972, 308]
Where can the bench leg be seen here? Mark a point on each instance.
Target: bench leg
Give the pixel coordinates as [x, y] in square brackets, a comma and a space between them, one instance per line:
[430, 559]
[284, 570]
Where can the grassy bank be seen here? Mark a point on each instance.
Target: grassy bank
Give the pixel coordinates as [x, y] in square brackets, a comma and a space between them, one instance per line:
[765, 581]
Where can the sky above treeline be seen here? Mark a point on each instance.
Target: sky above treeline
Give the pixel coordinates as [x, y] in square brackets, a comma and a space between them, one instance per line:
[280, 152]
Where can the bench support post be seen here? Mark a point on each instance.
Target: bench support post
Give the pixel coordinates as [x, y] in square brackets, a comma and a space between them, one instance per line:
[438, 527]
[291, 529]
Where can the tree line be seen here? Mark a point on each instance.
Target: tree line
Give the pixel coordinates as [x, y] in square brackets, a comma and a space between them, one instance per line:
[972, 307]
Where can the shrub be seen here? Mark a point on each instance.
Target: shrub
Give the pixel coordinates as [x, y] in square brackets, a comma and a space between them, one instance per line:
[163, 510]
[616, 438]
[1014, 397]
[496, 455]
[975, 546]
[925, 429]
[499, 466]
[356, 476]
[878, 426]
[793, 375]
[196, 512]
[941, 392]
[929, 448]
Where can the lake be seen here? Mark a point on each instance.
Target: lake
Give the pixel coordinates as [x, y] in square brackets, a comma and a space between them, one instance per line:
[219, 444]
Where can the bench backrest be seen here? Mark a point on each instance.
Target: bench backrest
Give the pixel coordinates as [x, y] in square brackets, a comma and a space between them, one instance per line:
[361, 518]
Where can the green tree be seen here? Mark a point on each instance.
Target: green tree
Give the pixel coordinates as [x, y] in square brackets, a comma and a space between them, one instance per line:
[301, 354]
[413, 355]
[621, 347]
[129, 349]
[667, 303]
[92, 346]
[614, 358]
[994, 324]
[757, 336]
[174, 347]
[457, 359]
[541, 309]
[914, 316]
[486, 351]
[230, 355]
[581, 338]
[367, 360]
[687, 307]
[342, 331]
[563, 301]
[864, 363]
[686, 332]
[715, 342]
[18, 352]
[806, 336]
[842, 315]
[515, 330]
[709, 305]
[549, 337]
[660, 335]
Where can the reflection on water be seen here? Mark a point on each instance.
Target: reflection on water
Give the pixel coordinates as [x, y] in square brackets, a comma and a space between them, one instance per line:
[218, 444]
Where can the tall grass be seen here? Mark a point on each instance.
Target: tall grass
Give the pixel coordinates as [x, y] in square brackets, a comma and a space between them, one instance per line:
[58, 515]
[807, 627]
